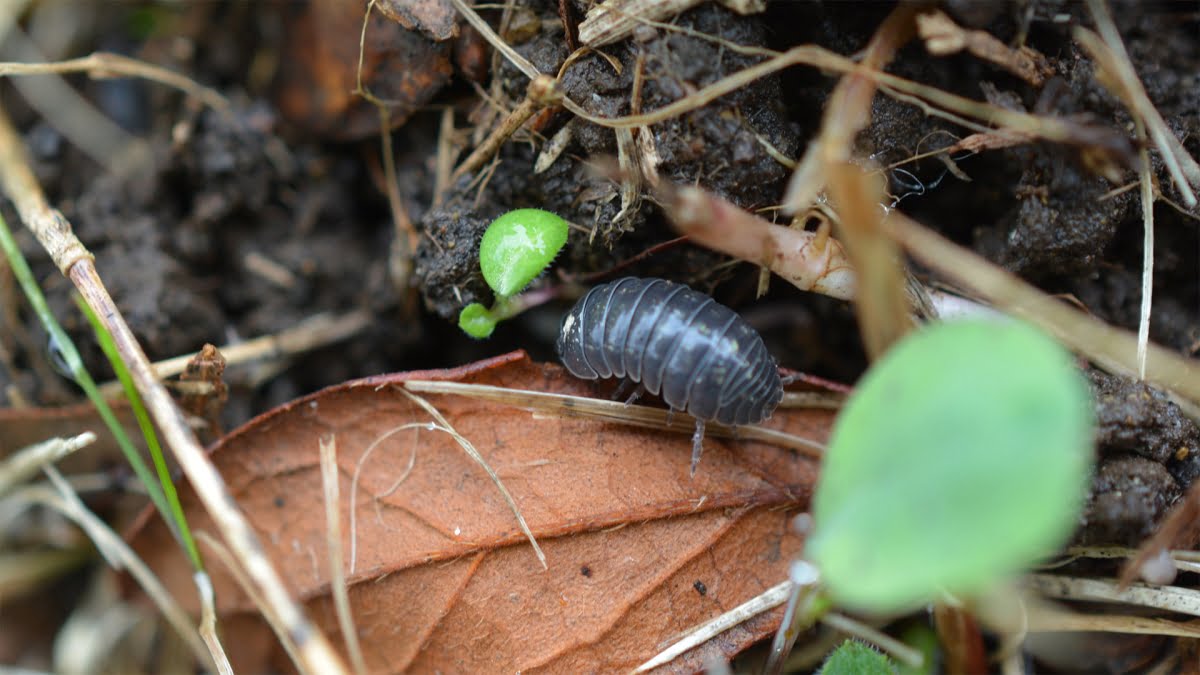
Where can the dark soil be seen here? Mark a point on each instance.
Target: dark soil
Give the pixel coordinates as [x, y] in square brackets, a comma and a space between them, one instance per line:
[177, 239]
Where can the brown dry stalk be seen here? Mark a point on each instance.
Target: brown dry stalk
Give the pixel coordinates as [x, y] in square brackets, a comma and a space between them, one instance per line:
[1116, 72]
[646, 417]
[54, 233]
[316, 331]
[942, 36]
[882, 307]
[808, 260]
[214, 547]
[330, 477]
[104, 64]
[1112, 348]
[404, 241]
[542, 91]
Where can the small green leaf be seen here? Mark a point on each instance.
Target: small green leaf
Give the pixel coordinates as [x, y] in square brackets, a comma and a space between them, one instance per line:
[856, 658]
[475, 320]
[961, 457]
[517, 246]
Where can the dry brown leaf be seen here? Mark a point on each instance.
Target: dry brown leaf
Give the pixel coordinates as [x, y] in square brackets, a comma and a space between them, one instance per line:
[445, 581]
[22, 427]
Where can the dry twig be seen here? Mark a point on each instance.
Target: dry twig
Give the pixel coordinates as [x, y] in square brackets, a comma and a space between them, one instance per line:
[943, 36]
[54, 233]
[1118, 75]
[106, 64]
[542, 91]
[330, 477]
[582, 407]
[882, 306]
[1111, 348]
[314, 332]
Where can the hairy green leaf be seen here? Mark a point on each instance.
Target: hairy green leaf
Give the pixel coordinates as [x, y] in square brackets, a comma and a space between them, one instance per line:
[856, 658]
[517, 246]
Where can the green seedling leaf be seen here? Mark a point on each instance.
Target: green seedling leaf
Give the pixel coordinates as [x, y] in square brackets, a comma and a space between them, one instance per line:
[855, 658]
[961, 457]
[517, 246]
[475, 320]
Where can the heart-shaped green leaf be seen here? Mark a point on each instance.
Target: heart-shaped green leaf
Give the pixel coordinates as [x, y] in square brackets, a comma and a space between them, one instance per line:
[961, 457]
[517, 246]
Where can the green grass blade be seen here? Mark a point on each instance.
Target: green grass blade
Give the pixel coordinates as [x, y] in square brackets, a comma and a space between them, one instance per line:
[74, 363]
[143, 419]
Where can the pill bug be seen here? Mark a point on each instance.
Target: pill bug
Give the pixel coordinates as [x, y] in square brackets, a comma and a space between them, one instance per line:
[699, 354]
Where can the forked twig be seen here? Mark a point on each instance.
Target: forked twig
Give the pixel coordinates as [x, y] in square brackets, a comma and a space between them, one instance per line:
[316, 331]
[542, 91]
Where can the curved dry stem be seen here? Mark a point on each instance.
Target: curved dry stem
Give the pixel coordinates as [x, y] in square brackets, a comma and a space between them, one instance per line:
[333, 542]
[358, 467]
[106, 64]
[470, 449]
[1112, 348]
[582, 407]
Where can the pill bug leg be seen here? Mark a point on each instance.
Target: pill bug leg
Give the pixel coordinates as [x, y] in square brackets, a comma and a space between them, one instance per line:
[697, 446]
[622, 388]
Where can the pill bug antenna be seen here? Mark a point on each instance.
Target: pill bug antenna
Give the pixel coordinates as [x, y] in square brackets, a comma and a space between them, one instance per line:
[697, 446]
